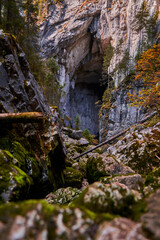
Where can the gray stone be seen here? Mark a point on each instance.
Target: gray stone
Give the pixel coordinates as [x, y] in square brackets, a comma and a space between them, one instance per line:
[75, 134]
[83, 142]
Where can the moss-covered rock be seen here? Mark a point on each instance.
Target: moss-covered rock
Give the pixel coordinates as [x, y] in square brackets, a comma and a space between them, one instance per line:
[72, 177]
[40, 220]
[63, 195]
[14, 183]
[95, 169]
[132, 181]
[153, 179]
[114, 198]
[102, 165]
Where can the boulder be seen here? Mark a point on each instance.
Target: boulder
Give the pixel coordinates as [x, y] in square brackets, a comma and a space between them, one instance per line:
[14, 182]
[132, 181]
[63, 195]
[114, 198]
[102, 165]
[72, 177]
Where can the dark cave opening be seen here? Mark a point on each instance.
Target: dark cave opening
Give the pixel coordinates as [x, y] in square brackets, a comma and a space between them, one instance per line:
[83, 97]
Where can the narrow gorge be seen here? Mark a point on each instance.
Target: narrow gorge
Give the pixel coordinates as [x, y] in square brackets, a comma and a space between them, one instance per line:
[75, 73]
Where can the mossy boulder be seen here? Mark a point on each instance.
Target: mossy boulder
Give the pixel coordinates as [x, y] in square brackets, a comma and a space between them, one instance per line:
[132, 181]
[63, 195]
[102, 165]
[72, 177]
[40, 220]
[14, 182]
[25, 160]
[114, 198]
[95, 168]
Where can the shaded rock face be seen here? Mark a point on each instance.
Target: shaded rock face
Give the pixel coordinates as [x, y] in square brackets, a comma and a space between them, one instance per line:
[19, 91]
[120, 115]
[77, 32]
[32, 155]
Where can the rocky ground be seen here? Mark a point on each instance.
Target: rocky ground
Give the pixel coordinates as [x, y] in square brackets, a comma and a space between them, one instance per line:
[110, 193]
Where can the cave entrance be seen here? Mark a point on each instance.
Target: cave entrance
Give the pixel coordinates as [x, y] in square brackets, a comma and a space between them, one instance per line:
[86, 91]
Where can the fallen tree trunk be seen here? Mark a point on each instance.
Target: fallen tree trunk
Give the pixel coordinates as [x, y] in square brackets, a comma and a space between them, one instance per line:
[114, 137]
[25, 117]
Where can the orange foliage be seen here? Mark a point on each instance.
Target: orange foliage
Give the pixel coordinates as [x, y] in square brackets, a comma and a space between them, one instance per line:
[148, 70]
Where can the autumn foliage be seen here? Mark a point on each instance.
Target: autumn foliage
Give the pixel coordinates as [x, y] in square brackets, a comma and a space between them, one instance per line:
[148, 71]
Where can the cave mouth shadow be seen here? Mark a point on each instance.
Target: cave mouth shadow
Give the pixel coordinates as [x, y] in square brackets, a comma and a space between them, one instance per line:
[87, 91]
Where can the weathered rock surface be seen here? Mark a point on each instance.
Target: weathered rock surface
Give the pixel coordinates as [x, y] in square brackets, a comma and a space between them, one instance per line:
[120, 229]
[120, 115]
[19, 91]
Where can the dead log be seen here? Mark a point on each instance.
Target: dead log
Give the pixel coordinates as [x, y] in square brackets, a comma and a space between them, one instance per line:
[25, 117]
[115, 136]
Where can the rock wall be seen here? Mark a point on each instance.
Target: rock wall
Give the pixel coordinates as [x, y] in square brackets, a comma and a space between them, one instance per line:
[19, 91]
[32, 155]
[77, 32]
[121, 114]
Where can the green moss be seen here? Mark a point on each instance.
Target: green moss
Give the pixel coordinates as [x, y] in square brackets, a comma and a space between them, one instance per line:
[95, 169]
[32, 167]
[19, 153]
[138, 209]
[98, 150]
[5, 143]
[15, 183]
[87, 135]
[153, 179]
[11, 210]
[72, 177]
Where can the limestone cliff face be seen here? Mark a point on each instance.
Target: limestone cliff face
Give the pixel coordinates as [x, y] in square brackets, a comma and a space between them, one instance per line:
[77, 32]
